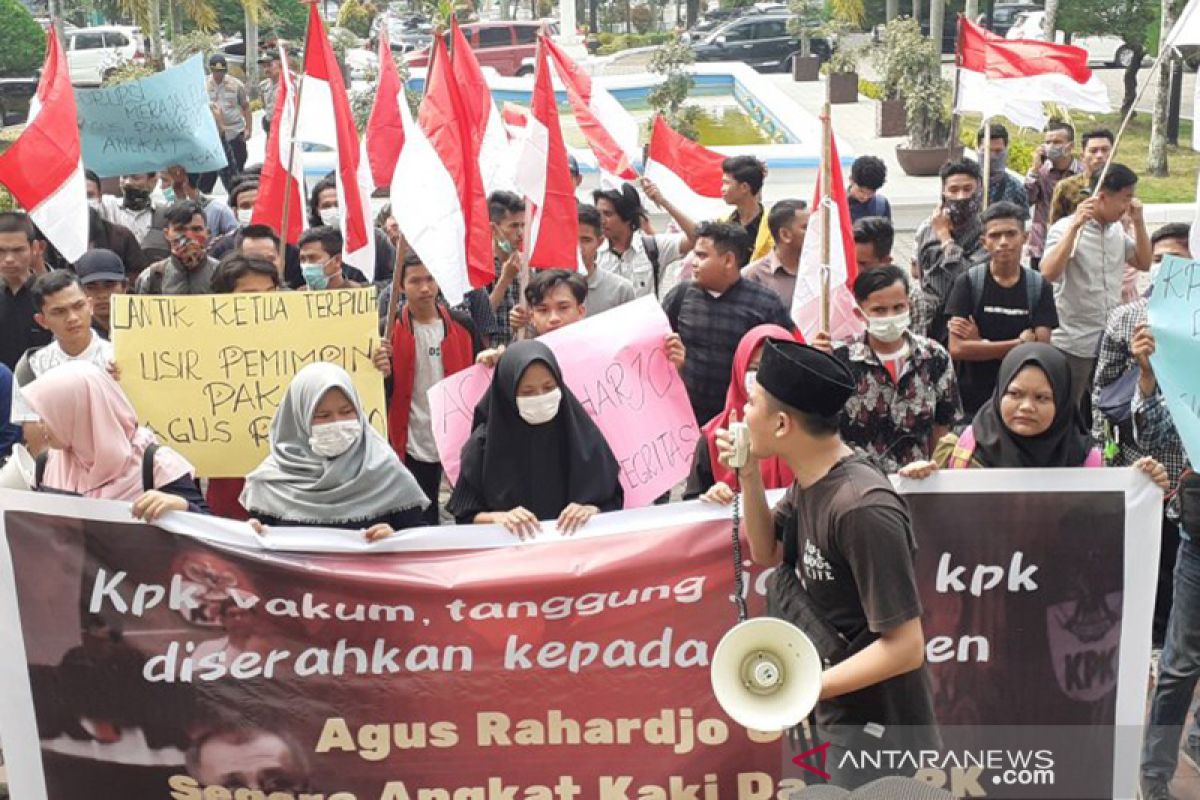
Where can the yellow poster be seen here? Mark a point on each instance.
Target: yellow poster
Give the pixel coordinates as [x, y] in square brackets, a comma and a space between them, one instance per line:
[207, 372]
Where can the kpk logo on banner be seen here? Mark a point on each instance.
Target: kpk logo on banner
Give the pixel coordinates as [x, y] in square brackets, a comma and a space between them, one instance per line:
[156, 661]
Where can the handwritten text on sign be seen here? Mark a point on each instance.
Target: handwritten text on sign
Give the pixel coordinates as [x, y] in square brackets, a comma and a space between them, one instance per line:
[616, 365]
[151, 123]
[207, 372]
[1175, 319]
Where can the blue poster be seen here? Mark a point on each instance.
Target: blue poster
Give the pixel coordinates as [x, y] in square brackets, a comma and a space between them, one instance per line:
[1175, 319]
[149, 124]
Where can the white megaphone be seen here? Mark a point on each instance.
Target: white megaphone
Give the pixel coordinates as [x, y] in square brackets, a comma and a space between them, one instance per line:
[766, 674]
[19, 471]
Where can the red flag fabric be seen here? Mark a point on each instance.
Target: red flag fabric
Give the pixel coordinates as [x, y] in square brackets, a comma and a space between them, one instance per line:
[610, 130]
[43, 168]
[489, 140]
[323, 100]
[275, 182]
[443, 118]
[552, 230]
[685, 171]
[385, 127]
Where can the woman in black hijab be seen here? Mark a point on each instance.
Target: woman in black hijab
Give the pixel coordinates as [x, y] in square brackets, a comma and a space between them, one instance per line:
[534, 454]
[1028, 422]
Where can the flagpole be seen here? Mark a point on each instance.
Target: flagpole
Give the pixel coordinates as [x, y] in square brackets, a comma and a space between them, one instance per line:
[394, 297]
[986, 156]
[291, 160]
[825, 200]
[1166, 48]
[954, 120]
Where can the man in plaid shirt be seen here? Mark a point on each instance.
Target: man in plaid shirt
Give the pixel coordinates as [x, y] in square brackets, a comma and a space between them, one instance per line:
[714, 311]
[1127, 442]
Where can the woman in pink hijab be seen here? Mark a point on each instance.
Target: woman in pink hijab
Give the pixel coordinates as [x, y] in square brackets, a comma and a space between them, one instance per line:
[97, 448]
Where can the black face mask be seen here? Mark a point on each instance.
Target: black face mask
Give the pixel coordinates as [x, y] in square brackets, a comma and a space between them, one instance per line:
[135, 199]
[961, 210]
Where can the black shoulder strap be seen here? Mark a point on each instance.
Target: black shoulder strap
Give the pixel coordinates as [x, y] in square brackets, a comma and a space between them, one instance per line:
[650, 245]
[39, 468]
[1033, 290]
[977, 275]
[148, 467]
[676, 305]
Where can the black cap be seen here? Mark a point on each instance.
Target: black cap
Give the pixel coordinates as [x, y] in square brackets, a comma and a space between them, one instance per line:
[804, 378]
[271, 54]
[99, 265]
[217, 61]
[573, 165]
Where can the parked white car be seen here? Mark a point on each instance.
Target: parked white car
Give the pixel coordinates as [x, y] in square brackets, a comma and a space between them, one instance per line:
[1109, 50]
[92, 53]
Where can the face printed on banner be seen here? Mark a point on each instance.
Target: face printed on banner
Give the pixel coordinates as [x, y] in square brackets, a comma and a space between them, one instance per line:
[189, 242]
[213, 581]
[1027, 407]
[557, 308]
[249, 759]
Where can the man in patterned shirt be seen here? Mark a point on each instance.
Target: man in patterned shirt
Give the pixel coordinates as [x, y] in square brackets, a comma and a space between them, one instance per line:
[1053, 162]
[1070, 192]
[1115, 360]
[907, 394]
[1179, 666]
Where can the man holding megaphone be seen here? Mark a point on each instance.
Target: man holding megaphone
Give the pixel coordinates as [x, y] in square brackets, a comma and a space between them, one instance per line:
[844, 547]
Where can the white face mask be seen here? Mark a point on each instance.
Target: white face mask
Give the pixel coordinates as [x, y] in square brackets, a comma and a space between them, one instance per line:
[244, 215]
[94, 202]
[751, 381]
[888, 329]
[331, 217]
[331, 439]
[539, 409]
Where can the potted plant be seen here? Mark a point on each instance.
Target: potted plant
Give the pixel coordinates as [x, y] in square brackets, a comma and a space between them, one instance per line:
[842, 75]
[807, 22]
[918, 79]
[891, 58]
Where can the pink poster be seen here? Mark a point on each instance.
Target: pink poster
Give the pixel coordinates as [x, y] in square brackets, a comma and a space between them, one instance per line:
[616, 365]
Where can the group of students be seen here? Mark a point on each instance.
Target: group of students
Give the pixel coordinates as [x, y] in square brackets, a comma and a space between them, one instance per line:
[968, 360]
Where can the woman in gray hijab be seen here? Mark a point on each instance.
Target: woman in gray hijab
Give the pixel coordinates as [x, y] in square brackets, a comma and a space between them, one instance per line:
[327, 466]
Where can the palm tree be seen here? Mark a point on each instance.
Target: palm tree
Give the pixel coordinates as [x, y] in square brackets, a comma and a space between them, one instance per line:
[148, 15]
[1050, 20]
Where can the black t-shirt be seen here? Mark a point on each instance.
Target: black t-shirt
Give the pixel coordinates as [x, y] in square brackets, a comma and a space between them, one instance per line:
[854, 545]
[19, 331]
[1002, 314]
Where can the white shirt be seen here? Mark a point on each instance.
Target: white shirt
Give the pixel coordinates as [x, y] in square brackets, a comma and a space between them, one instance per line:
[634, 265]
[1090, 287]
[112, 210]
[99, 351]
[428, 338]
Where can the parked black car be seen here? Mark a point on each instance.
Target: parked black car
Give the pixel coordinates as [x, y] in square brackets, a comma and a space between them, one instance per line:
[762, 41]
[15, 94]
[1005, 14]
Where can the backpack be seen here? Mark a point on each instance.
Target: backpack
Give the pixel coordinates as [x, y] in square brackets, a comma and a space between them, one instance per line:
[650, 245]
[39, 471]
[1034, 281]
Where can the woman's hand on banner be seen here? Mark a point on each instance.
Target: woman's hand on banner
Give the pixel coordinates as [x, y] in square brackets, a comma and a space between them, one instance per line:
[1154, 471]
[720, 494]
[153, 504]
[918, 470]
[379, 531]
[520, 521]
[258, 527]
[574, 517]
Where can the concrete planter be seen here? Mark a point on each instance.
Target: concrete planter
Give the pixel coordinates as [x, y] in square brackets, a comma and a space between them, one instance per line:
[890, 118]
[842, 87]
[806, 68]
[923, 162]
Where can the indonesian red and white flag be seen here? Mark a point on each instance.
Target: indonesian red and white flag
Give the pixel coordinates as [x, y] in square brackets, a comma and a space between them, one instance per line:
[488, 135]
[543, 175]
[515, 118]
[610, 130]
[437, 192]
[44, 167]
[384, 137]
[324, 118]
[1014, 77]
[843, 268]
[276, 182]
[687, 172]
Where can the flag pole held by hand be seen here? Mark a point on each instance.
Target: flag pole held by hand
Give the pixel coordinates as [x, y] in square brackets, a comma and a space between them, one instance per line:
[394, 297]
[826, 203]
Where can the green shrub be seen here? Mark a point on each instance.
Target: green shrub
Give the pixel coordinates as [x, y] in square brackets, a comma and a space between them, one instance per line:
[616, 42]
[642, 18]
[870, 89]
[126, 72]
[189, 44]
[356, 16]
[24, 41]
